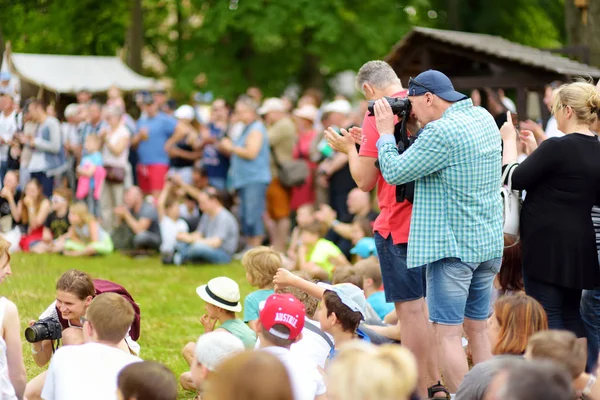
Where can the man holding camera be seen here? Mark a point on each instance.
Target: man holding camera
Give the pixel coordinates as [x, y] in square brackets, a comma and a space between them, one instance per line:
[404, 287]
[456, 225]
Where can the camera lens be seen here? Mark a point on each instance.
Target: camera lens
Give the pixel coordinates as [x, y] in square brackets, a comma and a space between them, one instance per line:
[31, 334]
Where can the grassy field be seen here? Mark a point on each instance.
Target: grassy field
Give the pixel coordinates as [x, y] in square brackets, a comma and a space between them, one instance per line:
[166, 295]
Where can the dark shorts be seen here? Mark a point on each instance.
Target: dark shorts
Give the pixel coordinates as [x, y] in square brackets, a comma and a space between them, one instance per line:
[400, 283]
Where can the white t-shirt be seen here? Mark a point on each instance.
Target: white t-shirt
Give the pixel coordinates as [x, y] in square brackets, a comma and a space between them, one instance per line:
[8, 127]
[312, 345]
[307, 381]
[113, 138]
[88, 371]
[168, 233]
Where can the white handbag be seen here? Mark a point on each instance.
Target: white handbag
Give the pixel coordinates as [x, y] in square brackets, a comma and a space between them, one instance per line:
[512, 202]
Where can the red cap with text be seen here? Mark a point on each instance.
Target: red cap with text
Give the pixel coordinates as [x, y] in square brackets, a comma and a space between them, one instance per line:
[286, 310]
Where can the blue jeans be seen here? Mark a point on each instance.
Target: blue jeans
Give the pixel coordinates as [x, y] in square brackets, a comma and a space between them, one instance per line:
[457, 289]
[199, 252]
[590, 313]
[253, 198]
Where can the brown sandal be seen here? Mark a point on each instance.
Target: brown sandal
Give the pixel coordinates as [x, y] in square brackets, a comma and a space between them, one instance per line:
[438, 388]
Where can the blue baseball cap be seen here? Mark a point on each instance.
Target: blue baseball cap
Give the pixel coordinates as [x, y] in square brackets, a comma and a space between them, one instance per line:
[434, 82]
[350, 295]
[365, 248]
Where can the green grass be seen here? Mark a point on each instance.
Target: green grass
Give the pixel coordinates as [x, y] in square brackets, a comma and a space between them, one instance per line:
[170, 307]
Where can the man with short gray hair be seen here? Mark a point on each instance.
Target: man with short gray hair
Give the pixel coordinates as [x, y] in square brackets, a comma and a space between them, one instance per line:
[404, 287]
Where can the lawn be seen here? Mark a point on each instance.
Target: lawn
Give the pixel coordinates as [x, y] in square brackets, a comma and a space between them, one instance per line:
[166, 295]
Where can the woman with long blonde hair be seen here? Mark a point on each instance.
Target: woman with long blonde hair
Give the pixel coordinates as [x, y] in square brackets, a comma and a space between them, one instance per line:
[86, 237]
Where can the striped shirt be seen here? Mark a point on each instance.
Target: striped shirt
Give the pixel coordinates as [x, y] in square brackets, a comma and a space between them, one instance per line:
[596, 221]
[456, 163]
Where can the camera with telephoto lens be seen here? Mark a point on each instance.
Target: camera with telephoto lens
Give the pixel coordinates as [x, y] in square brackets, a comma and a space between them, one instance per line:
[399, 105]
[44, 329]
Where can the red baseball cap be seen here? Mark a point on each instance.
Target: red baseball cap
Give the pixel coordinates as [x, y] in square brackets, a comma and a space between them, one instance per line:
[286, 310]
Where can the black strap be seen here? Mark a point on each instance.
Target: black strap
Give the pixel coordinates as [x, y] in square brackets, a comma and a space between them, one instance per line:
[220, 299]
[319, 332]
[275, 158]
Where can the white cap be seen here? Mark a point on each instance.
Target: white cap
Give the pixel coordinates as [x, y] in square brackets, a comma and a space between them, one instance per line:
[71, 110]
[307, 111]
[338, 106]
[185, 112]
[222, 292]
[214, 347]
[272, 104]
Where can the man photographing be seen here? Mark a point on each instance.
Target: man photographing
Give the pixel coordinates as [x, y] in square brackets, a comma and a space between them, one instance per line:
[456, 227]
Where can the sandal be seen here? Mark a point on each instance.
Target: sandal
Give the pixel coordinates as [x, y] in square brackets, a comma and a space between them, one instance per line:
[438, 388]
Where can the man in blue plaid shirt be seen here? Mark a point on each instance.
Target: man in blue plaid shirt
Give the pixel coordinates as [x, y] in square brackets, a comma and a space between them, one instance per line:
[456, 226]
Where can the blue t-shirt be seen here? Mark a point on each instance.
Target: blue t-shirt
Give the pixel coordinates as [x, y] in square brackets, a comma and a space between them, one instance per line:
[361, 336]
[214, 163]
[252, 301]
[94, 159]
[160, 129]
[381, 307]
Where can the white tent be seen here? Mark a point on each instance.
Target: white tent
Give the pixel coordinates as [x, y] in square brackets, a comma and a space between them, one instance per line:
[70, 74]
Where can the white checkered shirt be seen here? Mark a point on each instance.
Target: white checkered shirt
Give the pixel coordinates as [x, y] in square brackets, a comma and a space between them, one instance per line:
[456, 162]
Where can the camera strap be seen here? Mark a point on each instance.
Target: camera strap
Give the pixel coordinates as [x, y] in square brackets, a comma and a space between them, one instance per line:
[407, 190]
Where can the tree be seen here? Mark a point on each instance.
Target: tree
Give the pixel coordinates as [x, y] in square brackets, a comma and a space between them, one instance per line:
[135, 37]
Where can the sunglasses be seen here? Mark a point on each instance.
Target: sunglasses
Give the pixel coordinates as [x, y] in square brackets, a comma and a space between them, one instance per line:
[415, 82]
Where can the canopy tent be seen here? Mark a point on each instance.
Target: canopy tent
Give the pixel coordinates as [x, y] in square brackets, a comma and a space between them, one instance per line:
[70, 74]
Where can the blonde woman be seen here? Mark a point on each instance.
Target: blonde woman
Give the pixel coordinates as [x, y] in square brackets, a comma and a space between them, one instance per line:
[362, 371]
[86, 237]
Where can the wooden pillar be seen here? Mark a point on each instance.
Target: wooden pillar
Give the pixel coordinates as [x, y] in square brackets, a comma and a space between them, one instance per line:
[522, 103]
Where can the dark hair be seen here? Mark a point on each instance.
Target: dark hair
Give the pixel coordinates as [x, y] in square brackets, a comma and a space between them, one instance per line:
[147, 380]
[511, 273]
[348, 319]
[277, 341]
[76, 282]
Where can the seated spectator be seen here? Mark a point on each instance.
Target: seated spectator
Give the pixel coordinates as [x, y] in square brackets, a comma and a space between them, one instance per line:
[91, 174]
[563, 348]
[146, 380]
[281, 322]
[12, 375]
[362, 371]
[211, 350]
[169, 222]
[304, 217]
[189, 211]
[372, 282]
[10, 196]
[57, 224]
[268, 379]
[531, 380]
[340, 312]
[216, 239]
[86, 237]
[33, 210]
[316, 255]
[261, 265]
[107, 320]
[315, 344]
[515, 319]
[75, 291]
[137, 223]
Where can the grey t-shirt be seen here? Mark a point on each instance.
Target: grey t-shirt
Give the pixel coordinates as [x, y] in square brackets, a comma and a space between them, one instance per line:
[224, 226]
[149, 211]
[477, 380]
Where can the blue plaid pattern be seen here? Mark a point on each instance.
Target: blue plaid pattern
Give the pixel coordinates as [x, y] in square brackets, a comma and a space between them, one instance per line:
[456, 162]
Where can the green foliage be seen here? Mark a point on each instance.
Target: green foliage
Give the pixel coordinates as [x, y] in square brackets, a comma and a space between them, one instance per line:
[171, 309]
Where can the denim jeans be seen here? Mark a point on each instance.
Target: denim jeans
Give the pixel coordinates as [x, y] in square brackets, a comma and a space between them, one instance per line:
[199, 252]
[253, 199]
[590, 313]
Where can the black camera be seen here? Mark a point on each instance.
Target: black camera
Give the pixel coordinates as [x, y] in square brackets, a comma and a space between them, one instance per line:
[400, 105]
[44, 329]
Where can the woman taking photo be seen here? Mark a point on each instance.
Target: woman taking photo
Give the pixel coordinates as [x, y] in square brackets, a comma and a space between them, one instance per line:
[86, 237]
[562, 180]
[115, 155]
[33, 211]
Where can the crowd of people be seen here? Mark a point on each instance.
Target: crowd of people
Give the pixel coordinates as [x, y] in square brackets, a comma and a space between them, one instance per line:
[376, 238]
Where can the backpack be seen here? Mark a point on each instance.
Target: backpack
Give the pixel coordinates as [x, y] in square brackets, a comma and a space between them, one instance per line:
[104, 286]
[511, 202]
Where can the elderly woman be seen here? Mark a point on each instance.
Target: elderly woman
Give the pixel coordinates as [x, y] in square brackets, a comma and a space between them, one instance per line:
[115, 153]
[250, 171]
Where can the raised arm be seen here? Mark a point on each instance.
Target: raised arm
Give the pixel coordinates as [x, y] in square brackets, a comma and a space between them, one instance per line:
[285, 278]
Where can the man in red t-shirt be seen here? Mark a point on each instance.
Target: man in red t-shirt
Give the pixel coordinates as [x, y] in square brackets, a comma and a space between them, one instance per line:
[404, 287]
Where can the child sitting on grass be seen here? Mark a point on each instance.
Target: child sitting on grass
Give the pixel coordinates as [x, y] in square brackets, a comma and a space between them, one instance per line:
[341, 310]
[169, 222]
[316, 255]
[146, 380]
[261, 264]
[86, 237]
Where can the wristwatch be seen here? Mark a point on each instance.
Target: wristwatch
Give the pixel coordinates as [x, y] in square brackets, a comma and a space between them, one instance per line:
[335, 223]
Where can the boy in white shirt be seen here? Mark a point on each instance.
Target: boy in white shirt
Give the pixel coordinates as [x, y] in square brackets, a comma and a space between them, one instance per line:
[90, 370]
